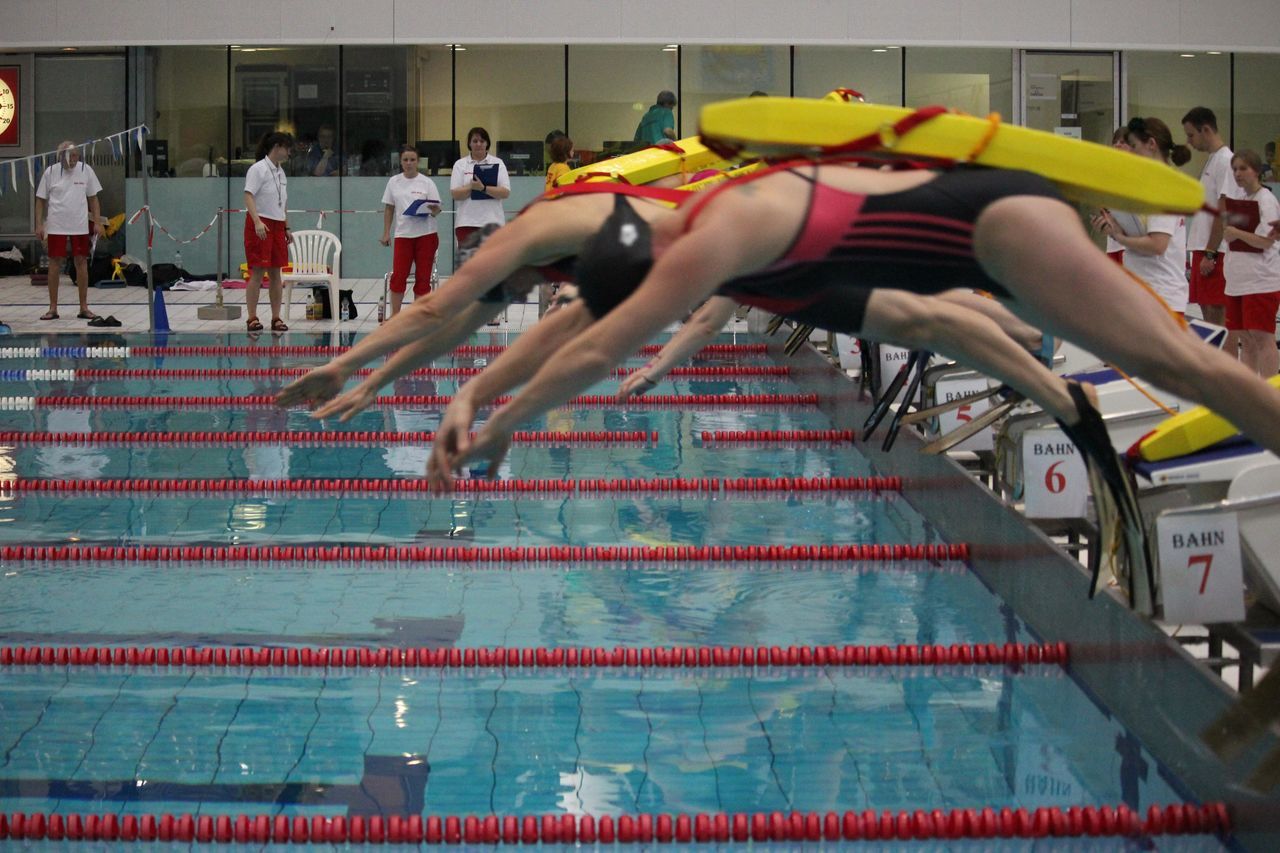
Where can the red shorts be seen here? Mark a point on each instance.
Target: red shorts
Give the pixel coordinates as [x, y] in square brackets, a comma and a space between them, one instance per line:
[462, 232]
[1255, 312]
[268, 252]
[1207, 290]
[58, 245]
[1117, 256]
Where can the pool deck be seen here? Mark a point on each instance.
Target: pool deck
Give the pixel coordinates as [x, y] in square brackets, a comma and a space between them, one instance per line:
[1131, 667]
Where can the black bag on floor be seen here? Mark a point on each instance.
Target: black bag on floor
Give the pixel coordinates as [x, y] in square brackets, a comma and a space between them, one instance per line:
[347, 304]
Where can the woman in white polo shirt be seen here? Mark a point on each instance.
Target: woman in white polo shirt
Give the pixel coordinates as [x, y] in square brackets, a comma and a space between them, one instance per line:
[478, 186]
[1158, 256]
[412, 203]
[1252, 267]
[266, 234]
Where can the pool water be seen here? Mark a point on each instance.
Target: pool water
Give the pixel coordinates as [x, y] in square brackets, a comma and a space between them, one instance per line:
[498, 740]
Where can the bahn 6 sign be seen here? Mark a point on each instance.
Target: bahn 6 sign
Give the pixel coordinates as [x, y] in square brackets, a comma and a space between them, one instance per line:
[1055, 483]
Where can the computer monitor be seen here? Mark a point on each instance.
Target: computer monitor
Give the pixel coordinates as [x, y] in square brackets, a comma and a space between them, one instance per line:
[436, 155]
[523, 157]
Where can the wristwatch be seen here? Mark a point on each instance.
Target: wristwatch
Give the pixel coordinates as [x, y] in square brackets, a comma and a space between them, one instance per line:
[1211, 254]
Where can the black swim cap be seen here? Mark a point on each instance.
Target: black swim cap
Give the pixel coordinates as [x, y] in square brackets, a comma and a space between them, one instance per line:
[513, 287]
[615, 261]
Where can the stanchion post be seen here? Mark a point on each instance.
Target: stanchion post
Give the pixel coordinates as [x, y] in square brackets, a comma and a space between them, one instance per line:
[218, 310]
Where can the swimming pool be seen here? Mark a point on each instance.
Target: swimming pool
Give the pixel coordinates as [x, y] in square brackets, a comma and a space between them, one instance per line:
[538, 735]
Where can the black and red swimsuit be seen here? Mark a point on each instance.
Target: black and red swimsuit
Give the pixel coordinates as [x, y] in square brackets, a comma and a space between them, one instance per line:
[919, 240]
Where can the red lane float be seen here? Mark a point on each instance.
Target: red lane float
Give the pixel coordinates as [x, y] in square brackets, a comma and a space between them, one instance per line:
[533, 488]
[1119, 821]
[305, 437]
[772, 436]
[468, 349]
[544, 657]
[428, 372]
[261, 401]
[494, 555]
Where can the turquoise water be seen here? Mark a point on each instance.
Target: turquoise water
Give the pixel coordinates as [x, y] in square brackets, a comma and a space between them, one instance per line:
[368, 741]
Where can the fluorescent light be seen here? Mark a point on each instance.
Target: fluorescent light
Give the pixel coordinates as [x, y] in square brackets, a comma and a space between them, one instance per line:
[1214, 52]
[1187, 55]
[879, 50]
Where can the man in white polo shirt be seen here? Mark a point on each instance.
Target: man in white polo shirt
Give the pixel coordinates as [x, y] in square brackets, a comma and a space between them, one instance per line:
[1204, 230]
[67, 214]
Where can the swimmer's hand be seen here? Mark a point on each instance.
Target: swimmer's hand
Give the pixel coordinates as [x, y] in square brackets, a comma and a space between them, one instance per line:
[348, 405]
[453, 440]
[318, 386]
[636, 384]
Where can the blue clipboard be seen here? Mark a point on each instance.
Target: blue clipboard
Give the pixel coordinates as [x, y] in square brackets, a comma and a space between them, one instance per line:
[487, 175]
[420, 207]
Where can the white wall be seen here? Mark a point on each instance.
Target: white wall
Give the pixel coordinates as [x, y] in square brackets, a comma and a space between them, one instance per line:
[1246, 25]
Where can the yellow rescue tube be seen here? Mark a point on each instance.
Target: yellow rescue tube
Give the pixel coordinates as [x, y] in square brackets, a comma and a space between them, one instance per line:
[649, 164]
[1085, 171]
[1188, 432]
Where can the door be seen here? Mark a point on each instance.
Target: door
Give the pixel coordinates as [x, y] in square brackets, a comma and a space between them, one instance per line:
[1071, 94]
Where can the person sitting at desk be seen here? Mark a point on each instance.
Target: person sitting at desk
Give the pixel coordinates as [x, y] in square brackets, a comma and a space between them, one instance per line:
[324, 159]
[659, 123]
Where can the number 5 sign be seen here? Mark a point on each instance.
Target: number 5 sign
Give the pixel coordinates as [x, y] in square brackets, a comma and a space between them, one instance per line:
[1055, 483]
[1201, 580]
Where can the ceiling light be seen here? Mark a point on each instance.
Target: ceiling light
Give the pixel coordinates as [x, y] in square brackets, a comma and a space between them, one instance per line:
[879, 50]
[1214, 52]
[1187, 55]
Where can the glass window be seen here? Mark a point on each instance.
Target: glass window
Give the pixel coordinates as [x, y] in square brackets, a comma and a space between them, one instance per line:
[516, 93]
[294, 89]
[431, 108]
[1165, 85]
[721, 72]
[375, 124]
[975, 81]
[610, 90]
[876, 72]
[189, 108]
[1257, 118]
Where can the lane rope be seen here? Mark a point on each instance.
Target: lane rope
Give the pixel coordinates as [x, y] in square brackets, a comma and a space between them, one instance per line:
[723, 827]
[262, 401]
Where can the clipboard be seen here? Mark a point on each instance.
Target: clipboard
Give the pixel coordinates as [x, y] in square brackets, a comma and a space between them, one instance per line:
[1246, 215]
[420, 207]
[1131, 224]
[486, 174]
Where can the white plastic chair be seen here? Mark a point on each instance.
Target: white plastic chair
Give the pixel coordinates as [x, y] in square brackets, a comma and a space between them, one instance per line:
[309, 255]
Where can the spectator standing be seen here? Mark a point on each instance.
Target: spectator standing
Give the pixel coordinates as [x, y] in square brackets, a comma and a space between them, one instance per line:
[412, 203]
[266, 233]
[1204, 231]
[1252, 264]
[659, 123]
[67, 214]
[478, 185]
[1158, 255]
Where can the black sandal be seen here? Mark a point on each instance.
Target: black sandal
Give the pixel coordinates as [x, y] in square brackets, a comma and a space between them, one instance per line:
[278, 325]
[49, 315]
[253, 324]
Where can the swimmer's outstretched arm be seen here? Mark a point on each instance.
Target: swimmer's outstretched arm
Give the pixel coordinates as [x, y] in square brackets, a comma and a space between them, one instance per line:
[1022, 332]
[687, 273]
[703, 326]
[520, 361]
[504, 253]
[350, 403]
[970, 337]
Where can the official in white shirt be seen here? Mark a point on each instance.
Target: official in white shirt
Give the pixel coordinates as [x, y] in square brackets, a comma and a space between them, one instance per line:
[266, 233]
[415, 232]
[67, 212]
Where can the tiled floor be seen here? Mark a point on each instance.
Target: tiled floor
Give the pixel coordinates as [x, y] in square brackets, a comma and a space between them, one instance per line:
[22, 304]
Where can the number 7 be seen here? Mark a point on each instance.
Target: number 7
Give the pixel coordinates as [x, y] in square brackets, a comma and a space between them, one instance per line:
[1207, 560]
